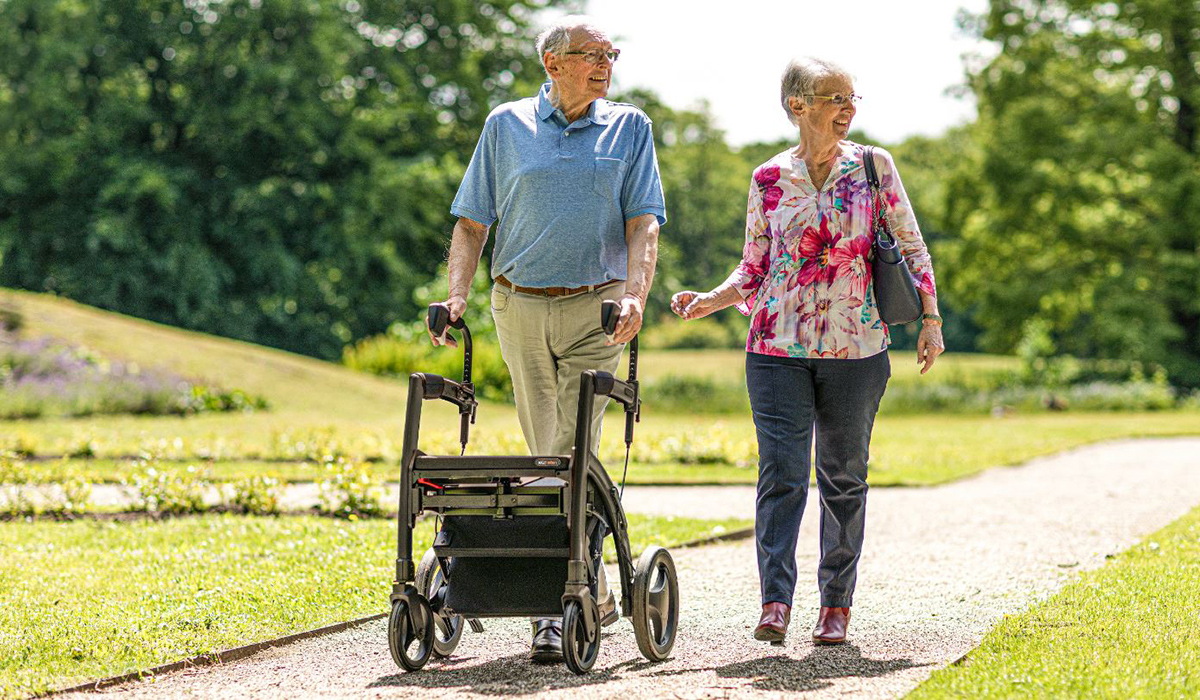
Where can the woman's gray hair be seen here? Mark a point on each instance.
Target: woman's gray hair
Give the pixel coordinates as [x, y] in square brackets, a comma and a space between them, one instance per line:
[557, 37]
[800, 79]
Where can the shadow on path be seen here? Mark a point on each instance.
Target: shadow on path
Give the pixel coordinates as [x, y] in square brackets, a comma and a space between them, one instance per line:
[515, 675]
[508, 675]
[813, 672]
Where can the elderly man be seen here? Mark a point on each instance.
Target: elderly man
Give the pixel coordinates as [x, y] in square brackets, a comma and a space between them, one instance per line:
[573, 180]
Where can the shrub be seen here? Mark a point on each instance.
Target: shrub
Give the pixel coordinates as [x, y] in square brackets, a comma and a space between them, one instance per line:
[154, 490]
[19, 445]
[11, 320]
[14, 486]
[391, 356]
[349, 490]
[83, 447]
[69, 497]
[256, 495]
[206, 399]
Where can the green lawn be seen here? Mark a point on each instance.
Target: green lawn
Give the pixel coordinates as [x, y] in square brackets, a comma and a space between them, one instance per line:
[905, 450]
[322, 408]
[1128, 630]
[964, 369]
[86, 600]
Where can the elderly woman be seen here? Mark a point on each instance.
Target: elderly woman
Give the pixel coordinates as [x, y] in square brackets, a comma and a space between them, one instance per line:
[817, 350]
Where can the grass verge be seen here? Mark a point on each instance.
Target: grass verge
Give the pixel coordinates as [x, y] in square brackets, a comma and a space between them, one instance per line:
[87, 600]
[1127, 630]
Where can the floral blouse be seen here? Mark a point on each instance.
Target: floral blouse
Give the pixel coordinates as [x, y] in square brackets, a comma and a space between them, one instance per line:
[805, 275]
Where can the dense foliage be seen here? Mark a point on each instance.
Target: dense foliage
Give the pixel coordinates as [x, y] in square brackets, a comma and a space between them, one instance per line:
[271, 171]
[1076, 201]
[281, 172]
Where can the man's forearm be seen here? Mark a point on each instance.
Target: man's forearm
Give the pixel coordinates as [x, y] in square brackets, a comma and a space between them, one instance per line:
[466, 246]
[641, 237]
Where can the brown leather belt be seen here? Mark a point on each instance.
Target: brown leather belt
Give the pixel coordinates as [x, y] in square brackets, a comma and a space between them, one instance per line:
[553, 291]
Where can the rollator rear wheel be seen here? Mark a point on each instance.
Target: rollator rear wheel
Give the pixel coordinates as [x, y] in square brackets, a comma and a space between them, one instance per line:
[655, 603]
[411, 633]
[579, 653]
[448, 629]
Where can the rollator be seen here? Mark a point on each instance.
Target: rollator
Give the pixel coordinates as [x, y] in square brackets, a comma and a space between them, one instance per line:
[506, 545]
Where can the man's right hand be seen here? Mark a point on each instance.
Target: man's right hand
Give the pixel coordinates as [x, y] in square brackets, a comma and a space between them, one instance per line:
[457, 306]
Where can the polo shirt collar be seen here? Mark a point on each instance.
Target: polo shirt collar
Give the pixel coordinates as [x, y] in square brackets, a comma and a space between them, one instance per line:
[599, 112]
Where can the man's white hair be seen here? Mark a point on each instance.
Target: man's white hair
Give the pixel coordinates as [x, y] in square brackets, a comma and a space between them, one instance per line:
[800, 79]
[556, 38]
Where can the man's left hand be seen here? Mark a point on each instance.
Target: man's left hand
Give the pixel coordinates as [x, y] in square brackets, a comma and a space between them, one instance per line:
[630, 321]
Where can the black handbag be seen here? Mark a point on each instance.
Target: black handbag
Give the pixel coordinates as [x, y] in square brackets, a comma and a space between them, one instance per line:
[895, 289]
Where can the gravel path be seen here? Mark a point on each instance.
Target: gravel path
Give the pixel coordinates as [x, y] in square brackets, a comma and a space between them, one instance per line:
[941, 566]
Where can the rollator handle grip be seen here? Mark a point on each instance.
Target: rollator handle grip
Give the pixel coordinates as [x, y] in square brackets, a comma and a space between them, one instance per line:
[610, 313]
[439, 318]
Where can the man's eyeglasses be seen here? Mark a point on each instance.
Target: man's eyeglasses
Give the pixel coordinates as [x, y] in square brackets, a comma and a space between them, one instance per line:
[596, 56]
[838, 98]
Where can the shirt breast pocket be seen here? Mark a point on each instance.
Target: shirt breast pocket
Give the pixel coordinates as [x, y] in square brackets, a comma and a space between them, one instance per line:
[609, 176]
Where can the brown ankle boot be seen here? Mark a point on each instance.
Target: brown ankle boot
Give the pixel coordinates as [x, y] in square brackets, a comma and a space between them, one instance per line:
[831, 626]
[772, 626]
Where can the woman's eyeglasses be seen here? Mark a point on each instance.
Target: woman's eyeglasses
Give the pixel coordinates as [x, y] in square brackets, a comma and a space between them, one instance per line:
[838, 98]
[596, 56]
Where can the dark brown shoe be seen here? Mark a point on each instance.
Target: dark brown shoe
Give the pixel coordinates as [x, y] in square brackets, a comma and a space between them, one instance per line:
[831, 626]
[772, 626]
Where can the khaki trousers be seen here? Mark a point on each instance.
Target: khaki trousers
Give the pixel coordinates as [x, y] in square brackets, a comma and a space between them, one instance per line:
[546, 343]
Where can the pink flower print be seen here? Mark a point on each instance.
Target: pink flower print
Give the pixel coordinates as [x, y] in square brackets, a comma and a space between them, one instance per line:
[827, 314]
[816, 248]
[766, 177]
[850, 262]
[763, 327]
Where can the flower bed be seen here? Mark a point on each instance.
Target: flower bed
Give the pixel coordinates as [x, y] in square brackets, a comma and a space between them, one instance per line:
[44, 377]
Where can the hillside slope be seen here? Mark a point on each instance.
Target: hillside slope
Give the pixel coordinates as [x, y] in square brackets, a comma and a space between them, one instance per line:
[291, 382]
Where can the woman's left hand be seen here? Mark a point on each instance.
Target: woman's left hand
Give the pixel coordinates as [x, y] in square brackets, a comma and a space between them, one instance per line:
[929, 345]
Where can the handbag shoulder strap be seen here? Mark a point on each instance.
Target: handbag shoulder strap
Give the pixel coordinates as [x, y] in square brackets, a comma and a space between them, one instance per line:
[883, 230]
[869, 166]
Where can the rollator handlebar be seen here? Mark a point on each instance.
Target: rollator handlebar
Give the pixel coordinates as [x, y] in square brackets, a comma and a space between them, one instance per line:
[624, 391]
[437, 320]
[461, 394]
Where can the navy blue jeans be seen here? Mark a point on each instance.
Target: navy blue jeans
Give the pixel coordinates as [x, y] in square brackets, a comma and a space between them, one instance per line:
[790, 397]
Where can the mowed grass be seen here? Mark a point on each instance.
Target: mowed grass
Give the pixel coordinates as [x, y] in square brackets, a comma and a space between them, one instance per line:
[905, 450]
[87, 600]
[322, 408]
[962, 369]
[1128, 630]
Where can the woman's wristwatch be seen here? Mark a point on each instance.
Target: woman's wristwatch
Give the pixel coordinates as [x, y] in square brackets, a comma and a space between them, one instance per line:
[931, 319]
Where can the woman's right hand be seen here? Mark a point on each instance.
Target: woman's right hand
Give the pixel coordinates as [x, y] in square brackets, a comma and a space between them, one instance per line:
[688, 304]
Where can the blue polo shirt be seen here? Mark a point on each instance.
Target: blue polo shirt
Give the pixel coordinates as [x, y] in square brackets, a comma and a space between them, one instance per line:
[562, 192]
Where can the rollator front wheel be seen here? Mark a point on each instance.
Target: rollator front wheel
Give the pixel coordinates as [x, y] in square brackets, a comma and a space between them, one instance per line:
[448, 629]
[411, 633]
[579, 653]
[655, 603]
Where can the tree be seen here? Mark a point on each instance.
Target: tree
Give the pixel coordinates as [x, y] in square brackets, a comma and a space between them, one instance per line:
[1083, 212]
[273, 171]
